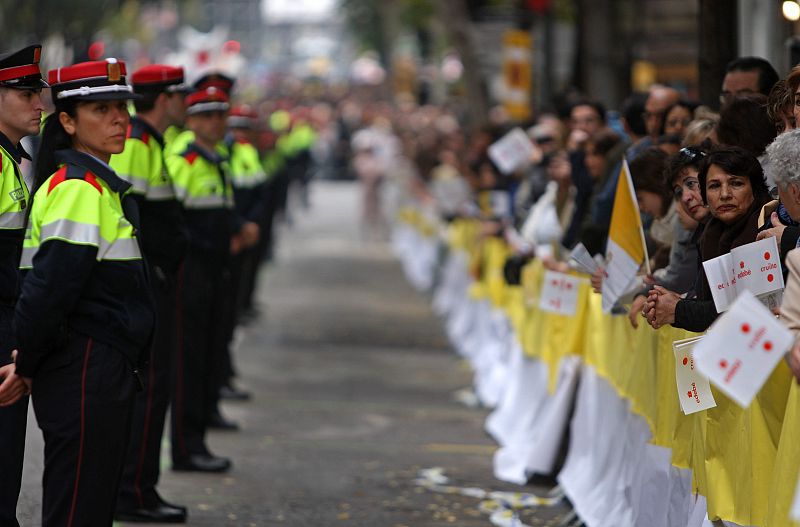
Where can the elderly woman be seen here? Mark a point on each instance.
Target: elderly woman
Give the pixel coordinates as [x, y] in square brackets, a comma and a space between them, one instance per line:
[732, 185]
[785, 155]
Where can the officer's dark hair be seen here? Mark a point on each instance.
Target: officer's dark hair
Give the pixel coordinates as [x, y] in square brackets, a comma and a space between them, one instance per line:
[737, 162]
[767, 76]
[146, 102]
[54, 137]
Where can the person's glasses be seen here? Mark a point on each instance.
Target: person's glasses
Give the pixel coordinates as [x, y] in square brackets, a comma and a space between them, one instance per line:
[726, 96]
[691, 154]
[690, 184]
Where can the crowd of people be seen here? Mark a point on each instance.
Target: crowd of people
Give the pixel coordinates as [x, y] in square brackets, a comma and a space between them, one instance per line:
[130, 253]
[706, 181]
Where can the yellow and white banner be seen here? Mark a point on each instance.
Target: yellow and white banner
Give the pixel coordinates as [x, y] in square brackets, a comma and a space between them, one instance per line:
[625, 251]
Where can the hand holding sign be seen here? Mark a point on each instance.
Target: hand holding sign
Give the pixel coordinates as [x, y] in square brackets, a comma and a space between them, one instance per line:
[512, 152]
[754, 267]
[742, 348]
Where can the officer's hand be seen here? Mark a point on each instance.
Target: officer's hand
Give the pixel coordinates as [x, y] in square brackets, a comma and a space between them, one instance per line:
[236, 244]
[13, 386]
[250, 233]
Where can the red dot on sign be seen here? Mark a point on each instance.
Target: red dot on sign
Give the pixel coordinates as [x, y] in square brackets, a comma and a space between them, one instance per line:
[741, 265]
[768, 346]
[770, 278]
[767, 256]
[689, 394]
[723, 363]
[685, 361]
[745, 328]
[555, 282]
[569, 286]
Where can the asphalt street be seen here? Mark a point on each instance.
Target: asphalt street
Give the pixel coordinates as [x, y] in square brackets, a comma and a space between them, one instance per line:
[353, 387]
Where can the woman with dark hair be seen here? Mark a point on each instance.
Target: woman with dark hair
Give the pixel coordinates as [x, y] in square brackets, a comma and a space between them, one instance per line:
[85, 315]
[677, 118]
[680, 175]
[732, 186]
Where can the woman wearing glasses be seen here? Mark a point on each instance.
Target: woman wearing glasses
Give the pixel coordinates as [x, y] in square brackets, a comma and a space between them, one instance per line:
[680, 275]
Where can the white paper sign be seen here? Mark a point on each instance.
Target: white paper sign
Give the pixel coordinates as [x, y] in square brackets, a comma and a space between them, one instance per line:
[559, 293]
[512, 151]
[580, 254]
[755, 267]
[694, 390]
[500, 203]
[742, 348]
[795, 513]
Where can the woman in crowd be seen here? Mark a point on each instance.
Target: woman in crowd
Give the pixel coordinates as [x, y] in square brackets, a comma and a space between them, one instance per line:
[681, 174]
[655, 199]
[677, 118]
[732, 186]
[550, 215]
[85, 314]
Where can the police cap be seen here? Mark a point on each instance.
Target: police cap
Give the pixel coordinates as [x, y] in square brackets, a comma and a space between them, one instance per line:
[100, 80]
[20, 69]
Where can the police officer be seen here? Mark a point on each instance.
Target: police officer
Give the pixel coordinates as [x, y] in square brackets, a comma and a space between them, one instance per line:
[85, 316]
[249, 188]
[215, 231]
[178, 138]
[21, 108]
[161, 104]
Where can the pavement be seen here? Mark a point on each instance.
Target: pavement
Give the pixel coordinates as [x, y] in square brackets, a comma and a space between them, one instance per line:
[353, 387]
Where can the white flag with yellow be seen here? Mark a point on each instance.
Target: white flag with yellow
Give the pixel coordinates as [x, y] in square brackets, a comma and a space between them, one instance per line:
[625, 250]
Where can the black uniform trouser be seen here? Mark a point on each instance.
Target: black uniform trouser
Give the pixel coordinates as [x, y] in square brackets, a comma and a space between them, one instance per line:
[142, 463]
[223, 361]
[13, 422]
[83, 399]
[251, 264]
[199, 329]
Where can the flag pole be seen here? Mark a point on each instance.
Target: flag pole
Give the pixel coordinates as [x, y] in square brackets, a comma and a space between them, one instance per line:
[640, 226]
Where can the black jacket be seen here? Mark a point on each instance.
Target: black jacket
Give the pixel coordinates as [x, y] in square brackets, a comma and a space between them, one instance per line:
[69, 290]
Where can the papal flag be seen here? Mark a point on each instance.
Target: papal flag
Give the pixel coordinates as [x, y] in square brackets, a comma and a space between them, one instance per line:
[625, 251]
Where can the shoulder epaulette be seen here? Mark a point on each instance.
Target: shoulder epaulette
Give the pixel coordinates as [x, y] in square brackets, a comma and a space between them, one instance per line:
[190, 155]
[73, 172]
[136, 130]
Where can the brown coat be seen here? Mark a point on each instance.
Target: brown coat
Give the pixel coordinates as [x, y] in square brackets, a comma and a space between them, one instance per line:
[790, 308]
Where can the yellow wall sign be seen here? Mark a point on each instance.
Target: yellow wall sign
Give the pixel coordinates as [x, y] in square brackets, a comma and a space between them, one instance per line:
[517, 67]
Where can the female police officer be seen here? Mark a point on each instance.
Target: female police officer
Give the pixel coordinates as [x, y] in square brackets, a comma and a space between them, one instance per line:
[85, 314]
